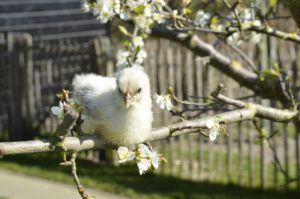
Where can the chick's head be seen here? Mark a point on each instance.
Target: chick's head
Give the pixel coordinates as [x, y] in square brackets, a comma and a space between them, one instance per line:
[133, 86]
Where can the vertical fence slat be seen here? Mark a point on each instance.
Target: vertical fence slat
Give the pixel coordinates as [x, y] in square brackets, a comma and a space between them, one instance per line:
[250, 133]
[286, 155]
[199, 91]
[272, 48]
[28, 87]
[179, 93]
[171, 83]
[189, 92]
[229, 148]
[264, 64]
[240, 153]
[297, 131]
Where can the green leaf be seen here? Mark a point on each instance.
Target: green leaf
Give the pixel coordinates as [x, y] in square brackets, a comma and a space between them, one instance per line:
[187, 11]
[215, 20]
[124, 31]
[91, 197]
[272, 3]
[139, 9]
[186, 2]
[270, 73]
[236, 64]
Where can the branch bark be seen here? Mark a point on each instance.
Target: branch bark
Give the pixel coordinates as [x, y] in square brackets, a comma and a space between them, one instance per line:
[269, 88]
[274, 114]
[93, 142]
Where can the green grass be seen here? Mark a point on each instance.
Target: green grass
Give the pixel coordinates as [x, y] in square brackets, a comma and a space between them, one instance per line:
[214, 166]
[126, 181]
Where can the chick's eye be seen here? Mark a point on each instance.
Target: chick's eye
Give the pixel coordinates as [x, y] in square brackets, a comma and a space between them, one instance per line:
[139, 90]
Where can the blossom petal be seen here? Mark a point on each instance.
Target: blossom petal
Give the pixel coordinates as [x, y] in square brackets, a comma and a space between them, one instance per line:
[155, 159]
[209, 124]
[169, 105]
[144, 151]
[143, 166]
[56, 110]
[123, 153]
[213, 134]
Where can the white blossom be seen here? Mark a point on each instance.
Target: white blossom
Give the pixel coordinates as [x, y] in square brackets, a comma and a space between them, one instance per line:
[213, 129]
[256, 23]
[143, 165]
[125, 154]
[85, 6]
[159, 2]
[148, 11]
[255, 38]
[144, 151]
[122, 58]
[134, 3]
[144, 157]
[235, 38]
[155, 159]
[201, 18]
[213, 133]
[117, 6]
[125, 14]
[143, 22]
[138, 41]
[246, 15]
[209, 124]
[164, 101]
[141, 55]
[58, 111]
[106, 13]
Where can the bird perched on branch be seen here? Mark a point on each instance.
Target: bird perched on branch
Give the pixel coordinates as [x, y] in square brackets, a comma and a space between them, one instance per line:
[118, 108]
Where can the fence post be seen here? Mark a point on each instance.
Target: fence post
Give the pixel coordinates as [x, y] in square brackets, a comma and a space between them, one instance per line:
[27, 86]
[13, 84]
[19, 48]
[99, 51]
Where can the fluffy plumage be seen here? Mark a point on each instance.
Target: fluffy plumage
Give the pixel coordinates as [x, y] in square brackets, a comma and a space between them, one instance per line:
[118, 108]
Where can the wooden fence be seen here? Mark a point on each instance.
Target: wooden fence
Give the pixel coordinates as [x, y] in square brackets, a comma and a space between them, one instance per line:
[33, 72]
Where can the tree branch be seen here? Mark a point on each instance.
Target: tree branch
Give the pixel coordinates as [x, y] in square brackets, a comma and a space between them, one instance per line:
[277, 115]
[70, 143]
[269, 88]
[93, 142]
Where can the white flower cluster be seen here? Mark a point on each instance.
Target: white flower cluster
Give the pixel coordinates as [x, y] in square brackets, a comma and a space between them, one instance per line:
[202, 18]
[164, 101]
[144, 157]
[142, 12]
[248, 20]
[238, 39]
[59, 111]
[126, 58]
[213, 127]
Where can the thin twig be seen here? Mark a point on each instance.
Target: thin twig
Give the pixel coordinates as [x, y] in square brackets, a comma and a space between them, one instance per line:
[243, 56]
[80, 188]
[234, 11]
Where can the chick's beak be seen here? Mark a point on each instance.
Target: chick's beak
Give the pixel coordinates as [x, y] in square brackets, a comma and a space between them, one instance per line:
[128, 99]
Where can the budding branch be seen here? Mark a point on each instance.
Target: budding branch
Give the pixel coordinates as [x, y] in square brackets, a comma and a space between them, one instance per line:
[247, 112]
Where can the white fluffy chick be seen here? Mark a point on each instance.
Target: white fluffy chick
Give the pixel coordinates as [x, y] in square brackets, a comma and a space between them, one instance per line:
[118, 108]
